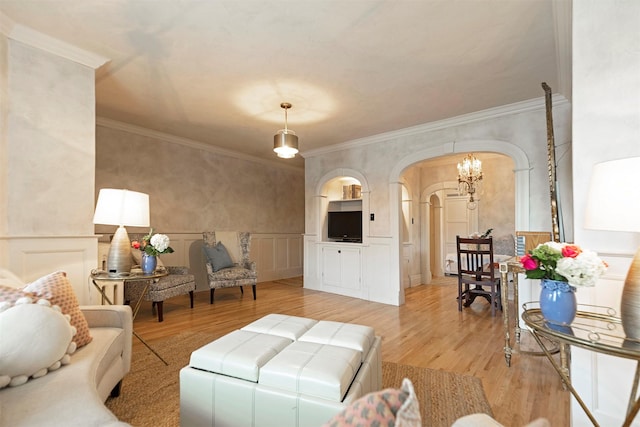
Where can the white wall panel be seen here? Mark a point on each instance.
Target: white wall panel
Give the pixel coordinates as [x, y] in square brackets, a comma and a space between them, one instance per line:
[33, 257]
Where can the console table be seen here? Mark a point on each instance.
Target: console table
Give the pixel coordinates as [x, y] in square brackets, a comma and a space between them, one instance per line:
[512, 266]
[596, 329]
[509, 266]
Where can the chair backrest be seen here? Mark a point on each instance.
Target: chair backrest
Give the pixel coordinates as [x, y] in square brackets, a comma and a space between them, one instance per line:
[475, 260]
[237, 243]
[528, 240]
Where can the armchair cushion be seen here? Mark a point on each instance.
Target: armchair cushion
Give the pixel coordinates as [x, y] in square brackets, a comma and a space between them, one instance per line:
[218, 256]
[233, 273]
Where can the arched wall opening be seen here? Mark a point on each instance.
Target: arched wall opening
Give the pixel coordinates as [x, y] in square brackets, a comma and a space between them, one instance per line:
[431, 200]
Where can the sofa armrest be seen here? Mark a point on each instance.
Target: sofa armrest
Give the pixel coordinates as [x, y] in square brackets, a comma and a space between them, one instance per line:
[109, 316]
[112, 316]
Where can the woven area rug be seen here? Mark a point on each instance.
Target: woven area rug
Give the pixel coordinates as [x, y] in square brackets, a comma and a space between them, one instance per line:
[150, 392]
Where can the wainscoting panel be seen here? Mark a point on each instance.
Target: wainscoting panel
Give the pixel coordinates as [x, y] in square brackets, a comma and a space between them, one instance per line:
[35, 256]
[379, 271]
[277, 256]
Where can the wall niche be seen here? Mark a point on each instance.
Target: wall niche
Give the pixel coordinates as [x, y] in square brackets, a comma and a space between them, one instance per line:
[343, 214]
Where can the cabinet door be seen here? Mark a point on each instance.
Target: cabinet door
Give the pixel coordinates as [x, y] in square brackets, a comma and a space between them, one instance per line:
[350, 268]
[331, 266]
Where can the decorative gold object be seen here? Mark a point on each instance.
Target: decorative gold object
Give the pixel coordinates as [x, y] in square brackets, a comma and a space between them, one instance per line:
[556, 219]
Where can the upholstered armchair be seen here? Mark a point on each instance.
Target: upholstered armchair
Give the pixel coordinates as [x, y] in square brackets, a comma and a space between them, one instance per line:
[227, 260]
[178, 282]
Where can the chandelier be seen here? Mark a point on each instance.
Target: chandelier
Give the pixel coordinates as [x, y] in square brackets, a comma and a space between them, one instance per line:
[469, 177]
[285, 141]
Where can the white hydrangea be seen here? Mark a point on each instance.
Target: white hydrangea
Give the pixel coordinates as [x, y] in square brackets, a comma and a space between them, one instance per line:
[160, 242]
[555, 246]
[583, 270]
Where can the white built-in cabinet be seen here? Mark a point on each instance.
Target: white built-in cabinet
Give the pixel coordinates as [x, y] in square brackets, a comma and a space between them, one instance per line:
[341, 269]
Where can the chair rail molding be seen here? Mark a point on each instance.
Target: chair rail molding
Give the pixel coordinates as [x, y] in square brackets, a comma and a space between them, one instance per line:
[277, 255]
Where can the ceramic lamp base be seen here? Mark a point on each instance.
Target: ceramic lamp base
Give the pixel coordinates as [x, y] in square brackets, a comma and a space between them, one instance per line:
[119, 258]
[630, 305]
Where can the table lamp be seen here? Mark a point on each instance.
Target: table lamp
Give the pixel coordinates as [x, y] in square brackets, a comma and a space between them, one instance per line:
[613, 204]
[121, 207]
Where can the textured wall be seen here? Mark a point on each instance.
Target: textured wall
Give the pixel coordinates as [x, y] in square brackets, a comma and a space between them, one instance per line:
[606, 126]
[496, 200]
[375, 160]
[49, 143]
[192, 190]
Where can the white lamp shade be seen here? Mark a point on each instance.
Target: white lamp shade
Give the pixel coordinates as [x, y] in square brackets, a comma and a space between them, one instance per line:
[613, 202]
[122, 207]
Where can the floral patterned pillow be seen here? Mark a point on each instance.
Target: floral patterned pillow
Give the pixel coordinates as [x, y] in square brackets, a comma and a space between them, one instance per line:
[386, 408]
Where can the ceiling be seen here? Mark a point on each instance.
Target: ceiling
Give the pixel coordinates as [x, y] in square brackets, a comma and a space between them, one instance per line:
[215, 72]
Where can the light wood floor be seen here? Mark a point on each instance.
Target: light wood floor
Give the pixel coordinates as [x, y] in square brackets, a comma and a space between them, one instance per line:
[428, 330]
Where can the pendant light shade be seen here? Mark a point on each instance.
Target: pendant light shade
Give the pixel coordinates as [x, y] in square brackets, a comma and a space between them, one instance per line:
[285, 141]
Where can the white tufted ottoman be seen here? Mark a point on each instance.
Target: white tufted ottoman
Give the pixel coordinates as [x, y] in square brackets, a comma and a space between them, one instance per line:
[280, 371]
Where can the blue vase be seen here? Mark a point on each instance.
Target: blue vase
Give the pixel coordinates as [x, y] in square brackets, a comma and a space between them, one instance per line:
[558, 301]
[148, 263]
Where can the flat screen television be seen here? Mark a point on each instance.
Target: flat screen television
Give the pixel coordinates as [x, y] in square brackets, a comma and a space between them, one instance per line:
[345, 226]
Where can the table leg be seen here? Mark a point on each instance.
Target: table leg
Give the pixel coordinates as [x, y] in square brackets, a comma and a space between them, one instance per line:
[150, 349]
[565, 379]
[504, 287]
[634, 404]
[135, 313]
[101, 290]
[516, 305]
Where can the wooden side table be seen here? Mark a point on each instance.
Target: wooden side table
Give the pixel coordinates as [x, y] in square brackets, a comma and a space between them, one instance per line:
[596, 329]
[99, 276]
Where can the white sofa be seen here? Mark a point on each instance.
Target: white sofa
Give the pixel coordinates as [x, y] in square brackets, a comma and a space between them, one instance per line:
[74, 395]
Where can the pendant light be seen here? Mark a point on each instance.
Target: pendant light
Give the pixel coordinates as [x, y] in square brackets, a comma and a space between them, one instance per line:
[285, 141]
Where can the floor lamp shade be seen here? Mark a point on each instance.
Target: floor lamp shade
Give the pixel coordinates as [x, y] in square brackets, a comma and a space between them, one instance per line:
[121, 208]
[613, 204]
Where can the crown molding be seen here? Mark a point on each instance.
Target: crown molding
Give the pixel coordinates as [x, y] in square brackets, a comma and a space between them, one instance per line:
[490, 113]
[139, 130]
[33, 38]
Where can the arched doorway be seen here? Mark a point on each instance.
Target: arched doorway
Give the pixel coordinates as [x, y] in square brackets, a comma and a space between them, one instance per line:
[432, 201]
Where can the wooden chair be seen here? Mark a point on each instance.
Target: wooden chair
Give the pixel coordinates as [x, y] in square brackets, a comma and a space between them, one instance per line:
[227, 260]
[477, 273]
[526, 241]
